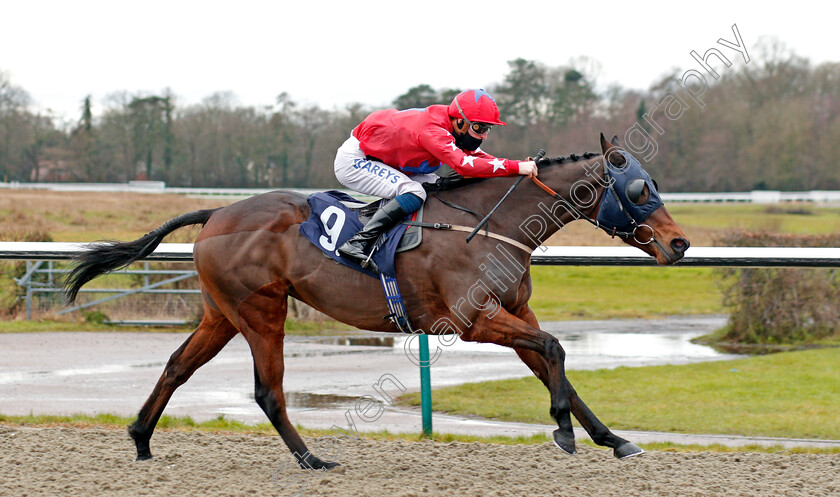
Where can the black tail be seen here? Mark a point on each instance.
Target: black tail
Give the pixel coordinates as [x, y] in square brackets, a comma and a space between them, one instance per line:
[104, 257]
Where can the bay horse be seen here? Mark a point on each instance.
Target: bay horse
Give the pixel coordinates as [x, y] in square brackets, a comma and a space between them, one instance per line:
[250, 257]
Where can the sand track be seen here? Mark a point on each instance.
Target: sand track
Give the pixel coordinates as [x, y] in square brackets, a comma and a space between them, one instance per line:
[77, 462]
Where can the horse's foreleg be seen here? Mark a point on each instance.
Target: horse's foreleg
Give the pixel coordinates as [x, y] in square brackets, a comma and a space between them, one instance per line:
[214, 332]
[510, 331]
[263, 316]
[599, 432]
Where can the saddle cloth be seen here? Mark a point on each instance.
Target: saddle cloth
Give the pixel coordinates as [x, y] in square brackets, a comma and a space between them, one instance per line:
[332, 222]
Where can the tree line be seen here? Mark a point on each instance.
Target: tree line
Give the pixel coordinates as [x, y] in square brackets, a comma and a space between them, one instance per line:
[769, 124]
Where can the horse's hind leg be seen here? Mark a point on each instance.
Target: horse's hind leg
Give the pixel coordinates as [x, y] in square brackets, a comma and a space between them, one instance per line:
[597, 430]
[214, 332]
[262, 321]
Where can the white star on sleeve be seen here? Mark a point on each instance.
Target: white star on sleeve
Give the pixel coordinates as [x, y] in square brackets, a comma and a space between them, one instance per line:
[468, 159]
[454, 147]
[497, 164]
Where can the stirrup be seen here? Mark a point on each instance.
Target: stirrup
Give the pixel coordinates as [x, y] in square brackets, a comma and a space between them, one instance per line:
[366, 262]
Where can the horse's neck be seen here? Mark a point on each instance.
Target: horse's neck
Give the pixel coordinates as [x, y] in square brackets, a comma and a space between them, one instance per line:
[527, 202]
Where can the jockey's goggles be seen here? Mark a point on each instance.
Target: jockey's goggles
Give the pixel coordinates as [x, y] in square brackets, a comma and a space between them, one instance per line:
[481, 128]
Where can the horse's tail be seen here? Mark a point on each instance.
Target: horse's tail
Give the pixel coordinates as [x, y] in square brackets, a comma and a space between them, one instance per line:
[107, 256]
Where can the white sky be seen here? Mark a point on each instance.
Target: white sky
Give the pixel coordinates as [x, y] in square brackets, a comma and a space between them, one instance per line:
[334, 53]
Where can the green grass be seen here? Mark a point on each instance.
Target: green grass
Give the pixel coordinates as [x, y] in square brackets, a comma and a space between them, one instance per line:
[224, 425]
[791, 394]
[185, 423]
[751, 217]
[564, 292]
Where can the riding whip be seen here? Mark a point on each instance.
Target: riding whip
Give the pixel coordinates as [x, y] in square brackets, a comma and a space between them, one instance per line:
[484, 221]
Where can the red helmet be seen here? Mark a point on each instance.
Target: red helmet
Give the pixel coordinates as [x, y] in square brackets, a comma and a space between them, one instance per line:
[475, 106]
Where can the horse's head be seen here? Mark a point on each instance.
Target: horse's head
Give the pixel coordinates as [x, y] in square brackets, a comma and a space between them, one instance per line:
[630, 207]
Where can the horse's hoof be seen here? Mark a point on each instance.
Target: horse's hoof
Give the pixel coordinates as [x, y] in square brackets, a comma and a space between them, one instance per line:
[144, 457]
[312, 462]
[566, 444]
[328, 465]
[627, 449]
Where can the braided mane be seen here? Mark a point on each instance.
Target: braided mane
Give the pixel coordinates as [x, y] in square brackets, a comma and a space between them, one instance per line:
[561, 159]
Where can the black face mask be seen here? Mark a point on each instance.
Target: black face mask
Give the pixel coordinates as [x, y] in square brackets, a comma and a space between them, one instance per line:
[467, 142]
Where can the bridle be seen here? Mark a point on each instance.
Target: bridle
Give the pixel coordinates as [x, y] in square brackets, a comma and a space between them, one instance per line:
[613, 232]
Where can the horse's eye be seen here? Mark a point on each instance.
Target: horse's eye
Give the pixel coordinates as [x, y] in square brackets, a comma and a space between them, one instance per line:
[634, 190]
[655, 184]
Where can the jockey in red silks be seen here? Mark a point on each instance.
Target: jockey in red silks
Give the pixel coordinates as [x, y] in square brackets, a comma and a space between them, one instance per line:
[392, 152]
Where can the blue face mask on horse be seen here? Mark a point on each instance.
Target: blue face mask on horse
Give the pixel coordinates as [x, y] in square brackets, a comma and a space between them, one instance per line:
[626, 204]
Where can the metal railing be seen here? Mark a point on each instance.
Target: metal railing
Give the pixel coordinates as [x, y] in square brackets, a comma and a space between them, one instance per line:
[39, 257]
[159, 187]
[554, 255]
[43, 277]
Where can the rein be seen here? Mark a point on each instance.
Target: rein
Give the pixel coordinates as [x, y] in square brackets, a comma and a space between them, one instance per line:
[484, 221]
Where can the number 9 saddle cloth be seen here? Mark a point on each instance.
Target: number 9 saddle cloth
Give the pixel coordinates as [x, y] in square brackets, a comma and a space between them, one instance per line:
[332, 221]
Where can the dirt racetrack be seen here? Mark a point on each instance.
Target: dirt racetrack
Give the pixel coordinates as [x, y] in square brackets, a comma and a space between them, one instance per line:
[81, 462]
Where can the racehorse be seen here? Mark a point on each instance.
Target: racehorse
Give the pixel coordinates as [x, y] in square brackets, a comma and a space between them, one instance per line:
[250, 257]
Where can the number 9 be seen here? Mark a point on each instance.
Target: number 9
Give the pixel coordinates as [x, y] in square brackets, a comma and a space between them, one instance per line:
[331, 231]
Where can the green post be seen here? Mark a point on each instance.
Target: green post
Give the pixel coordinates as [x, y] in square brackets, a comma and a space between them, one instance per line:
[425, 386]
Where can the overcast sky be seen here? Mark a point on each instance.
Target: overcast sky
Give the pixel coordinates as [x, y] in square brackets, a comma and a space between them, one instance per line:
[334, 53]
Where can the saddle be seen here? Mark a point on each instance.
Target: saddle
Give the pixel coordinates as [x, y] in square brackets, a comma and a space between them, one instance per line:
[335, 217]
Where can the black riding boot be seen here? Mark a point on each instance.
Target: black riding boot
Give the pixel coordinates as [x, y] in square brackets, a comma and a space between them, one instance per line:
[358, 247]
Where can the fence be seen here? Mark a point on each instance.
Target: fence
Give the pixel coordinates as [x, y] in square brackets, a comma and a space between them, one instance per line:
[184, 303]
[49, 287]
[755, 196]
[563, 256]
[158, 302]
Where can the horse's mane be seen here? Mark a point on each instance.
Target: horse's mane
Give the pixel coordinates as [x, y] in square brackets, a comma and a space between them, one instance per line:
[454, 181]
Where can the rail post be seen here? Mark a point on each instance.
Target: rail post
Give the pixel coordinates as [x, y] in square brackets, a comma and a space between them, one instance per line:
[28, 291]
[425, 386]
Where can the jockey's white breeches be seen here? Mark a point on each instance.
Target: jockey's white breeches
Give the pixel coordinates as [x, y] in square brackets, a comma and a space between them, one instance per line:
[372, 177]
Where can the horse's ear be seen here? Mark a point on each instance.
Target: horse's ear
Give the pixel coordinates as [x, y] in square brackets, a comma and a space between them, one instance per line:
[611, 152]
[604, 144]
[614, 140]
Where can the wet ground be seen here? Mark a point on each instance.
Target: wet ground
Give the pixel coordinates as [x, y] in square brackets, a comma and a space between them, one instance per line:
[93, 373]
[65, 373]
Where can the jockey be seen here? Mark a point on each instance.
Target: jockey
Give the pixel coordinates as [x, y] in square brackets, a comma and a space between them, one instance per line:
[392, 152]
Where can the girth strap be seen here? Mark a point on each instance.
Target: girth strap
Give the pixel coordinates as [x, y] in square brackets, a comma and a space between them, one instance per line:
[455, 227]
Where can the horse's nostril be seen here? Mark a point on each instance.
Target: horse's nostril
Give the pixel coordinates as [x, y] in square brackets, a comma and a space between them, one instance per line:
[679, 245]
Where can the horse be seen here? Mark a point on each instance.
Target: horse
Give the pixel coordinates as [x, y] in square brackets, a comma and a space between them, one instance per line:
[250, 257]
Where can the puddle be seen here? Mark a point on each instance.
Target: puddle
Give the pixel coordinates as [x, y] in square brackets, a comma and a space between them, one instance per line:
[383, 341]
[585, 349]
[596, 349]
[305, 399]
